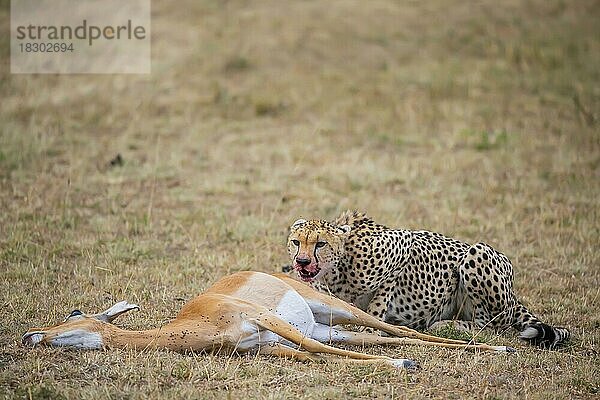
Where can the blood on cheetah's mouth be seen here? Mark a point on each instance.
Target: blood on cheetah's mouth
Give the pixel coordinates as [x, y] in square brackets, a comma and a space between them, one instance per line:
[308, 276]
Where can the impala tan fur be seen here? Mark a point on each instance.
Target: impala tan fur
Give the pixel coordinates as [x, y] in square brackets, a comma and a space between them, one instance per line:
[248, 311]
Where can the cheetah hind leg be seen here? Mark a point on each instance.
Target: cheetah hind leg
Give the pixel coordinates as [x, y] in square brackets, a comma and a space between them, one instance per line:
[537, 333]
[486, 288]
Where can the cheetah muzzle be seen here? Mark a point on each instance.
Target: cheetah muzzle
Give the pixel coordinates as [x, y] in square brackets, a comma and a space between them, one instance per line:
[306, 275]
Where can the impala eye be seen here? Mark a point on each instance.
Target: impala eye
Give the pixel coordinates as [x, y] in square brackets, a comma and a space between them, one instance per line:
[296, 242]
[320, 244]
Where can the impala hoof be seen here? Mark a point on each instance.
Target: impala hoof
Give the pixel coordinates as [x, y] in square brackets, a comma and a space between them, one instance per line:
[406, 364]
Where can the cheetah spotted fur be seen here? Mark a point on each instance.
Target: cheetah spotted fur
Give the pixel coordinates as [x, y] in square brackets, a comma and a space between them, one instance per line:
[419, 279]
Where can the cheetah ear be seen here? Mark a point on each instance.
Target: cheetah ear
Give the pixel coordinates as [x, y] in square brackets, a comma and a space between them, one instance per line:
[298, 223]
[345, 228]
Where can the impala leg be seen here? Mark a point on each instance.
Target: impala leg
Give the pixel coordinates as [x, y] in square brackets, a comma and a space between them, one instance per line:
[347, 314]
[330, 310]
[271, 322]
[281, 350]
[325, 333]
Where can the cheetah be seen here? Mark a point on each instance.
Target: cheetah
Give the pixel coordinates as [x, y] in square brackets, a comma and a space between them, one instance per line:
[420, 279]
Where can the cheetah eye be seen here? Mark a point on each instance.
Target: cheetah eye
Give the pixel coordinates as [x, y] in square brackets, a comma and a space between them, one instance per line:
[320, 244]
[296, 242]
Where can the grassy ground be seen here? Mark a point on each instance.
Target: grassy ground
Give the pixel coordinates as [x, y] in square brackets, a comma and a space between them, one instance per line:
[479, 121]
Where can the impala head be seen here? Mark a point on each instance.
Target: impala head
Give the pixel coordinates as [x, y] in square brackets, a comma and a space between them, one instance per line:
[315, 247]
[78, 330]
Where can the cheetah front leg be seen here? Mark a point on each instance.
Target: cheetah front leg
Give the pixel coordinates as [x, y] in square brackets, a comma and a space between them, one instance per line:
[379, 304]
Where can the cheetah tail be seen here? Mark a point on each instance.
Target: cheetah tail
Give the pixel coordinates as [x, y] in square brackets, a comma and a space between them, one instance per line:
[545, 336]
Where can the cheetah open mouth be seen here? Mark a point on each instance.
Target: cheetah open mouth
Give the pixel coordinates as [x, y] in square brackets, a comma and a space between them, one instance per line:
[307, 276]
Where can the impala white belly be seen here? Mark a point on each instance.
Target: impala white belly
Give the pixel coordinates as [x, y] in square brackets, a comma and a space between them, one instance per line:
[291, 308]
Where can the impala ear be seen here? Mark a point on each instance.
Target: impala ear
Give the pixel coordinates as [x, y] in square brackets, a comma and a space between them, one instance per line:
[298, 223]
[345, 228]
[118, 309]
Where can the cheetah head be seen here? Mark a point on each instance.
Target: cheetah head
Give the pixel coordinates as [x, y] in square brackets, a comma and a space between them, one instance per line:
[315, 247]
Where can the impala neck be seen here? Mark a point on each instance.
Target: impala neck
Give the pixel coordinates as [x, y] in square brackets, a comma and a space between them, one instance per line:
[175, 337]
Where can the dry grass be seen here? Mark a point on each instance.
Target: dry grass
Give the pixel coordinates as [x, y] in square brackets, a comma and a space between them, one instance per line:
[476, 120]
